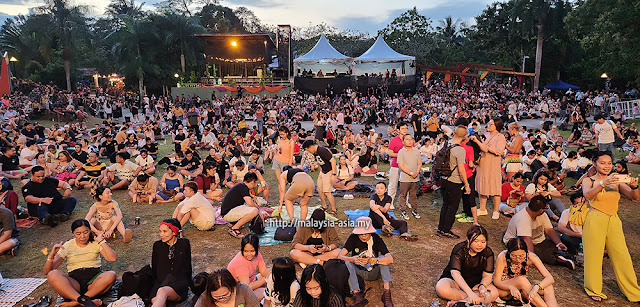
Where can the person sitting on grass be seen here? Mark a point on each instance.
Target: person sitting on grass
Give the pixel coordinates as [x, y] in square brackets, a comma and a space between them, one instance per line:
[302, 186]
[145, 161]
[510, 275]
[223, 290]
[85, 280]
[9, 164]
[570, 231]
[244, 265]
[105, 216]
[282, 284]
[143, 189]
[209, 182]
[91, 173]
[315, 289]
[170, 186]
[344, 176]
[238, 206]
[121, 173]
[190, 165]
[366, 254]
[170, 265]
[379, 207]
[237, 173]
[468, 276]
[45, 201]
[512, 199]
[9, 235]
[317, 243]
[195, 208]
[262, 187]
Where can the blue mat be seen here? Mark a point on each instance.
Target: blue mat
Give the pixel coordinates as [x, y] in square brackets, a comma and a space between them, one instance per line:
[355, 214]
[266, 238]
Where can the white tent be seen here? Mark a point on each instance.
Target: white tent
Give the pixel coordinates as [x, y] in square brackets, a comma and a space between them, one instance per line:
[322, 57]
[381, 57]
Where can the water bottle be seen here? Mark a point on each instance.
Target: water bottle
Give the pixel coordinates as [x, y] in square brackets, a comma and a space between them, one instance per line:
[580, 255]
[486, 300]
[435, 303]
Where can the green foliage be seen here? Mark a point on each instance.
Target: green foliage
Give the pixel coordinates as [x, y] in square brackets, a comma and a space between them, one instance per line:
[411, 33]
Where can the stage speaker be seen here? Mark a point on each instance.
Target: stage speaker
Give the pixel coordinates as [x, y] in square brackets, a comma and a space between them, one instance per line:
[284, 49]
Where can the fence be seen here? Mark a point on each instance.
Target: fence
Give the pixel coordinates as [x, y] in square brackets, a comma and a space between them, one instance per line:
[627, 108]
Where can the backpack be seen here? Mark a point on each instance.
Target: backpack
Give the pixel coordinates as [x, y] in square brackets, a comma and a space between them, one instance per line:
[257, 225]
[441, 163]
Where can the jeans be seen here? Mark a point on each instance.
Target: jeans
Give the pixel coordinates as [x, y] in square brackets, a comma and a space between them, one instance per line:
[378, 271]
[410, 188]
[398, 225]
[572, 243]
[556, 204]
[260, 122]
[64, 205]
[394, 175]
[451, 195]
[607, 147]
[504, 207]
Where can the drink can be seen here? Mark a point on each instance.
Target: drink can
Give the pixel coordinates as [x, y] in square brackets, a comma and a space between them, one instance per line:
[137, 222]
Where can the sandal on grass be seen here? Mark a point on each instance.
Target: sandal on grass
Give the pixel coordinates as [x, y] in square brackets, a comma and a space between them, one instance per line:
[596, 298]
[235, 233]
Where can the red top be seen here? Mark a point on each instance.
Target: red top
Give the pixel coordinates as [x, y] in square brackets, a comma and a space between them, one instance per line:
[506, 191]
[395, 145]
[468, 150]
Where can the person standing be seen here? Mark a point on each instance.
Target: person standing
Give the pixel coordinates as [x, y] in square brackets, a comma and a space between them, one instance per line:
[604, 130]
[489, 178]
[410, 164]
[469, 211]
[284, 152]
[602, 227]
[327, 173]
[454, 186]
[394, 147]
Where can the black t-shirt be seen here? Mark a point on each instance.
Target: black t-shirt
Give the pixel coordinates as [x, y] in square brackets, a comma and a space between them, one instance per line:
[151, 148]
[415, 118]
[180, 137]
[324, 156]
[192, 164]
[375, 218]
[39, 130]
[355, 246]
[292, 172]
[82, 156]
[8, 222]
[221, 168]
[9, 163]
[234, 198]
[29, 133]
[48, 188]
[471, 267]
[109, 146]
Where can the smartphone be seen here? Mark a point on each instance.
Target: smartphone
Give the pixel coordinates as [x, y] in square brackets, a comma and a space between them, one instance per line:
[622, 178]
[318, 246]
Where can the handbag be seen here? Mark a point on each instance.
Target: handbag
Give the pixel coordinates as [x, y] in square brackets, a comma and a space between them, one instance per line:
[578, 214]
[284, 233]
[512, 158]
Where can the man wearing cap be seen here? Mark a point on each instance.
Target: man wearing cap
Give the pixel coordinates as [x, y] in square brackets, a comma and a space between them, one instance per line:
[366, 254]
[327, 173]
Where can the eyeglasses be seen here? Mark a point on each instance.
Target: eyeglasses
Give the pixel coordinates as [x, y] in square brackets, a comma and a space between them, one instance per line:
[171, 249]
[222, 298]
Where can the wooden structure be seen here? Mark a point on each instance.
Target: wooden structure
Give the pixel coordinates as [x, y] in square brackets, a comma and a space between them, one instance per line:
[472, 70]
[239, 57]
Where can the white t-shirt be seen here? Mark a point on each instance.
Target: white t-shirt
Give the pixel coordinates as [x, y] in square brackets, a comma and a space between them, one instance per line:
[26, 152]
[583, 162]
[144, 162]
[526, 164]
[198, 201]
[569, 165]
[564, 220]
[533, 189]
[124, 171]
[605, 132]
[521, 225]
[270, 295]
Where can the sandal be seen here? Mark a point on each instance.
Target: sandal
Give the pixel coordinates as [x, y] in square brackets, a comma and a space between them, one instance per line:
[409, 237]
[236, 233]
[596, 298]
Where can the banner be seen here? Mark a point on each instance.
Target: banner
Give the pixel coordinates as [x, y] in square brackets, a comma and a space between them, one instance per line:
[253, 90]
[484, 74]
[447, 77]
[273, 89]
[5, 81]
[428, 75]
[466, 69]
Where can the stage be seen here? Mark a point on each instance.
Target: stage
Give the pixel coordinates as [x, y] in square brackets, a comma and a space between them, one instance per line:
[404, 84]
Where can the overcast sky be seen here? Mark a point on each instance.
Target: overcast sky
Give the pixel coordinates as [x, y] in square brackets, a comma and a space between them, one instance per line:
[362, 15]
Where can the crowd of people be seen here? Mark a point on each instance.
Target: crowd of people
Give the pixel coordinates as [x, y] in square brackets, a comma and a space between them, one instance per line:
[466, 142]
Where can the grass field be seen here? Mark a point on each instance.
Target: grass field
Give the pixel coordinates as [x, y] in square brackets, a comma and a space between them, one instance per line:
[417, 267]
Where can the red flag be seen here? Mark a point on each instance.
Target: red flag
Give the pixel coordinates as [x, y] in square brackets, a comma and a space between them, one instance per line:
[447, 77]
[5, 82]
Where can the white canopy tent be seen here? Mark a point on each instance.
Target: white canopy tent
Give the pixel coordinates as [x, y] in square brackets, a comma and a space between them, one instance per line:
[322, 57]
[381, 57]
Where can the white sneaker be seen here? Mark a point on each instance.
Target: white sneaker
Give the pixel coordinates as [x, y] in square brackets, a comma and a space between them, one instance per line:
[496, 215]
[482, 212]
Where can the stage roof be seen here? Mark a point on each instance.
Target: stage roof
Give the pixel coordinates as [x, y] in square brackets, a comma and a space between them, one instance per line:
[380, 51]
[228, 47]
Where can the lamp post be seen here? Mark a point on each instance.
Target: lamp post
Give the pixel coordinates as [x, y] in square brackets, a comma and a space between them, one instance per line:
[13, 66]
[606, 82]
[176, 75]
[524, 60]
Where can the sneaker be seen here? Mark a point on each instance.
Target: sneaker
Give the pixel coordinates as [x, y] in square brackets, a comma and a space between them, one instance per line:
[392, 207]
[482, 212]
[60, 217]
[466, 219]
[49, 220]
[404, 215]
[496, 215]
[566, 262]
[451, 235]
[415, 214]
[461, 215]
[386, 230]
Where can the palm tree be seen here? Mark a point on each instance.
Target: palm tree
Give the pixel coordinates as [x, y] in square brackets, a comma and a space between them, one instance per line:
[68, 25]
[179, 31]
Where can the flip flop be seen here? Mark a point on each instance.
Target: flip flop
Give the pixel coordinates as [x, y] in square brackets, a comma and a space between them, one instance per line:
[236, 233]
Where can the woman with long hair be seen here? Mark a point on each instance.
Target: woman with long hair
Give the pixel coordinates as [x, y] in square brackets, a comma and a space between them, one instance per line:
[105, 216]
[510, 275]
[602, 227]
[315, 290]
[513, 160]
[223, 290]
[344, 176]
[85, 279]
[488, 178]
[282, 284]
[66, 168]
[247, 261]
[284, 152]
[170, 265]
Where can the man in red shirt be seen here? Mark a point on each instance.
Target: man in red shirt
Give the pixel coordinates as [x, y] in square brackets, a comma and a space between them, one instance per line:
[394, 147]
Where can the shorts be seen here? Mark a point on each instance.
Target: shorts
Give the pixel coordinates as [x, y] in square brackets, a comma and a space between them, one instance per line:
[277, 165]
[85, 277]
[237, 213]
[164, 196]
[512, 167]
[202, 224]
[324, 183]
[302, 185]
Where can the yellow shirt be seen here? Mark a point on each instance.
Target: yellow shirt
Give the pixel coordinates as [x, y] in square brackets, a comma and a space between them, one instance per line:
[80, 257]
[607, 200]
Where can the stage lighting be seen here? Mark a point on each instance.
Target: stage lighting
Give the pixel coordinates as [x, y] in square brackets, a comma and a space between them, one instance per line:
[234, 43]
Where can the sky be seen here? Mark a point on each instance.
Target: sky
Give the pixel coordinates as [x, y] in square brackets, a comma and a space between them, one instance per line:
[367, 16]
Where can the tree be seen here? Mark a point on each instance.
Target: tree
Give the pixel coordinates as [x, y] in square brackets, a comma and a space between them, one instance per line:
[179, 31]
[411, 33]
[68, 25]
[250, 22]
[124, 7]
[220, 19]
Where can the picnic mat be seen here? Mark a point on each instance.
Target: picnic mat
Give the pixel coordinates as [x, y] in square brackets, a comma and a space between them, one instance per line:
[26, 223]
[355, 214]
[267, 239]
[14, 290]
